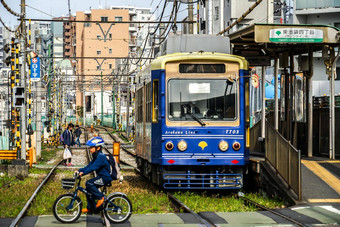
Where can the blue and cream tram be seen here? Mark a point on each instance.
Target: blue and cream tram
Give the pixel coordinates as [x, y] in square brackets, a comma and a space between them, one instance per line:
[191, 121]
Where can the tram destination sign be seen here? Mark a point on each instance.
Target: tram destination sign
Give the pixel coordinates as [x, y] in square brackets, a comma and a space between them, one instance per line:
[295, 35]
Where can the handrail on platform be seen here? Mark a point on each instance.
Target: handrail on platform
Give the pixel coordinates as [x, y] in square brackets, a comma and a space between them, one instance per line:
[285, 158]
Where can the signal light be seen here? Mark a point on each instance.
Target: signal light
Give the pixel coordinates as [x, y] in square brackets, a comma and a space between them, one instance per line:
[236, 146]
[7, 48]
[19, 96]
[8, 61]
[169, 146]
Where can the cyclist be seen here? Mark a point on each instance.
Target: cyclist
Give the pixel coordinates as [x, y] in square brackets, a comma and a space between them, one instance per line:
[101, 165]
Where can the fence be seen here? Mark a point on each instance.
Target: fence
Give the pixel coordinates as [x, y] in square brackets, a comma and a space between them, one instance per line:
[285, 158]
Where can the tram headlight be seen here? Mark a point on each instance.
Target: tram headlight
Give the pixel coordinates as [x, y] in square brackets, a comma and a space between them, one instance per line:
[236, 146]
[182, 145]
[169, 146]
[223, 145]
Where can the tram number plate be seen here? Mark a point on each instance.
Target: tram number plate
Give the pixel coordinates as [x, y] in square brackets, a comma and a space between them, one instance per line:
[232, 132]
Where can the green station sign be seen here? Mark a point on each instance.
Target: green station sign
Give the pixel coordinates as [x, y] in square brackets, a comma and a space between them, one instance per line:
[295, 35]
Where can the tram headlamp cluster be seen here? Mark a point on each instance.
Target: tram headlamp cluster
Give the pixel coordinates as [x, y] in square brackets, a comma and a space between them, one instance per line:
[236, 146]
[223, 145]
[182, 145]
[169, 146]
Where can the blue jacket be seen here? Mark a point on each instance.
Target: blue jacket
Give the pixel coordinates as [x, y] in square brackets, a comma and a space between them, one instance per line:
[100, 164]
[68, 138]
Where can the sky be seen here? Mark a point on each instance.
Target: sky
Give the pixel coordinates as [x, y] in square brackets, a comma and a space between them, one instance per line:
[58, 8]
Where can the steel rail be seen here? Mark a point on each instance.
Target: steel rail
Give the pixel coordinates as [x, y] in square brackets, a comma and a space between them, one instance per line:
[241, 195]
[188, 210]
[23, 211]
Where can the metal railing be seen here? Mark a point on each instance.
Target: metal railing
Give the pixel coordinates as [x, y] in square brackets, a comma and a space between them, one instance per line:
[305, 4]
[285, 158]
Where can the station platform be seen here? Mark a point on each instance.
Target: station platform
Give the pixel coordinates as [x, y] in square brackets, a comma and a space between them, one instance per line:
[320, 180]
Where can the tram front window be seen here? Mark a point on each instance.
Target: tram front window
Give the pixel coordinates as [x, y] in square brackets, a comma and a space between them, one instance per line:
[207, 100]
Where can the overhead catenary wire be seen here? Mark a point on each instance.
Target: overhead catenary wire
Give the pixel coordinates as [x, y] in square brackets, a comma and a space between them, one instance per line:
[240, 18]
[9, 9]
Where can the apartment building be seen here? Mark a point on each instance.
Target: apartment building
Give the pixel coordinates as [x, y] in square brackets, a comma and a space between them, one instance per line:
[97, 44]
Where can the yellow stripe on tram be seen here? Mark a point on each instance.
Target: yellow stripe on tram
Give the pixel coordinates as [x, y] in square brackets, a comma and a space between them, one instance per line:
[324, 174]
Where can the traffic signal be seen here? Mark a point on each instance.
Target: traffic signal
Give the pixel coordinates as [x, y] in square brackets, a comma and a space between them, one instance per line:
[8, 60]
[19, 96]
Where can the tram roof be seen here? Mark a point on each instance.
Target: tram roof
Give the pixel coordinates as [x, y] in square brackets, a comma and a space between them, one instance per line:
[272, 39]
[160, 62]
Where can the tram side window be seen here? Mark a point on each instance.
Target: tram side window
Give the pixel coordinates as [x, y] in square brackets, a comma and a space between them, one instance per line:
[155, 101]
[140, 105]
[148, 102]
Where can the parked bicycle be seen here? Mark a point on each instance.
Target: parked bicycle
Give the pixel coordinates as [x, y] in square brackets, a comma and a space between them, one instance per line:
[67, 207]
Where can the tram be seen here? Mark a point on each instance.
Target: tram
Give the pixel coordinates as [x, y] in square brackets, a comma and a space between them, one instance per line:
[192, 121]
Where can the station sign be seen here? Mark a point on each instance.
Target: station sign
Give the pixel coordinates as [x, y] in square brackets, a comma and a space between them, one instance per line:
[35, 69]
[295, 35]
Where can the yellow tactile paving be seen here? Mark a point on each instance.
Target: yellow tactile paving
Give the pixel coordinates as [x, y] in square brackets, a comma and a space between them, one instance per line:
[324, 174]
[329, 161]
[323, 200]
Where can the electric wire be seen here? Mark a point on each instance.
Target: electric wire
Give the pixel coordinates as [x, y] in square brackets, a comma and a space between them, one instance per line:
[9, 9]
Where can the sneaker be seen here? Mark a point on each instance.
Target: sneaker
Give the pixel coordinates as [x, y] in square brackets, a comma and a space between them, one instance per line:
[85, 210]
[100, 202]
[70, 164]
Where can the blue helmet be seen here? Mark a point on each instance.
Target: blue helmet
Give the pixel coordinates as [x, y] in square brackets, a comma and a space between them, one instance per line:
[95, 142]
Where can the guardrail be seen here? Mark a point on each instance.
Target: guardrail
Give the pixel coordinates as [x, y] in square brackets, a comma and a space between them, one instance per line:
[285, 158]
[8, 154]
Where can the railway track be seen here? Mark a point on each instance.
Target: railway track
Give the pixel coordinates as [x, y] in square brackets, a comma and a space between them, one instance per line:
[127, 155]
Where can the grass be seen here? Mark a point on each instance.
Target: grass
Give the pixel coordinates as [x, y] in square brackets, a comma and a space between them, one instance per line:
[145, 197]
[200, 202]
[47, 154]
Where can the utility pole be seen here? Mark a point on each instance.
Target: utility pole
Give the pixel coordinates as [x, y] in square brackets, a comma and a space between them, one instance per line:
[38, 120]
[23, 80]
[84, 108]
[102, 98]
[190, 16]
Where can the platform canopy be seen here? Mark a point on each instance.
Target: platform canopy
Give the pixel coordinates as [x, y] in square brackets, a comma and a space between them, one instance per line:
[272, 39]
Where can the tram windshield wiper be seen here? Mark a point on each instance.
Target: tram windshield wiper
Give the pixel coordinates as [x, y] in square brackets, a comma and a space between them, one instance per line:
[195, 117]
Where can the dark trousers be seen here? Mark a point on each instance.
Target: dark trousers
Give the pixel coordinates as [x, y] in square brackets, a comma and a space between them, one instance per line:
[92, 186]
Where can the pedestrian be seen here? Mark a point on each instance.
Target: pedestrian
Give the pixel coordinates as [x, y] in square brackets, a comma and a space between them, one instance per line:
[68, 141]
[101, 166]
[77, 133]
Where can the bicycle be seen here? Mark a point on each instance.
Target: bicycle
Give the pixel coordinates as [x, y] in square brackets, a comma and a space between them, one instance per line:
[67, 207]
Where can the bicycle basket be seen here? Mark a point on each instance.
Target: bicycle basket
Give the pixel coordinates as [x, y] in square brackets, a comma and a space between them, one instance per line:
[68, 183]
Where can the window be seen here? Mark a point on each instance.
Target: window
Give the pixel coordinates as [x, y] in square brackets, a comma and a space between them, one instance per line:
[110, 36]
[86, 25]
[99, 52]
[217, 13]
[99, 37]
[202, 68]
[155, 101]
[104, 19]
[98, 67]
[202, 100]
[110, 51]
[118, 18]
[110, 66]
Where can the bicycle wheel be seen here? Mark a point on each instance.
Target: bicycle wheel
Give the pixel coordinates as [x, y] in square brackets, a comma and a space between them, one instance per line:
[118, 208]
[62, 210]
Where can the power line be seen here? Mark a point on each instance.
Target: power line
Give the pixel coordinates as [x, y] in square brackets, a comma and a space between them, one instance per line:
[111, 22]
